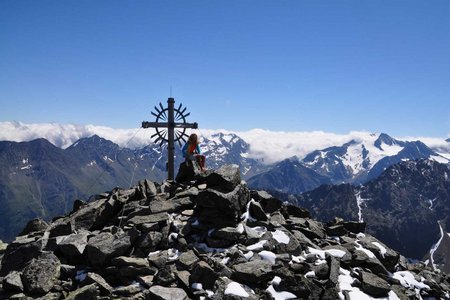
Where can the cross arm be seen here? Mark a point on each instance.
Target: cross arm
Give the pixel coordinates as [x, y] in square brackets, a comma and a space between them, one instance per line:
[146, 124]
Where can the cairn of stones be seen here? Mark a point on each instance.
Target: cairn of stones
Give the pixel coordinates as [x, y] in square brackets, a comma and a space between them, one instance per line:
[210, 238]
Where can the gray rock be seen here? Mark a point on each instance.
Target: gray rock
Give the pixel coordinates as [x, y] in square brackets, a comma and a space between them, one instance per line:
[146, 219]
[219, 209]
[104, 287]
[257, 212]
[389, 259]
[74, 244]
[293, 247]
[19, 253]
[105, 245]
[63, 226]
[35, 225]
[125, 261]
[253, 272]
[225, 179]
[95, 214]
[163, 293]
[13, 282]
[296, 211]
[277, 219]
[374, 285]
[149, 242]
[88, 292]
[3, 247]
[183, 278]
[187, 260]
[203, 274]
[355, 227]
[127, 291]
[41, 274]
[133, 272]
[269, 203]
[334, 270]
[336, 230]
[222, 284]
[346, 259]
[146, 280]
[227, 233]
[165, 276]
[171, 205]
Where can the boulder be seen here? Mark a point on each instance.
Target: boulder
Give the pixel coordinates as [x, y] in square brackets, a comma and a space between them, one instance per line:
[388, 257]
[171, 205]
[104, 246]
[35, 225]
[157, 292]
[225, 179]
[374, 285]
[13, 282]
[253, 272]
[203, 274]
[41, 274]
[73, 245]
[19, 253]
[257, 212]
[269, 203]
[88, 292]
[218, 209]
[93, 278]
[187, 260]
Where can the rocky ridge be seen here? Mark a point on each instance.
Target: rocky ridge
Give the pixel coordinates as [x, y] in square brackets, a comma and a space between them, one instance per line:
[208, 239]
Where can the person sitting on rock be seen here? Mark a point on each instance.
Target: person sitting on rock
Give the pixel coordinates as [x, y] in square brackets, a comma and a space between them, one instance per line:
[191, 151]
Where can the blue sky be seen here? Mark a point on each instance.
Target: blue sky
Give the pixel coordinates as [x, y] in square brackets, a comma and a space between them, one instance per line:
[336, 66]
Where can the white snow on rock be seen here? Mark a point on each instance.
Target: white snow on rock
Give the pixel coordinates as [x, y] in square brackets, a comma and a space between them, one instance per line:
[246, 216]
[354, 293]
[407, 279]
[279, 295]
[234, 288]
[435, 247]
[382, 249]
[268, 256]
[260, 230]
[280, 236]
[248, 255]
[321, 253]
[258, 246]
[366, 251]
[197, 286]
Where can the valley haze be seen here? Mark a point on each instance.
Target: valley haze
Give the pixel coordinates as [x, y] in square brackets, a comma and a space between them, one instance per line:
[266, 145]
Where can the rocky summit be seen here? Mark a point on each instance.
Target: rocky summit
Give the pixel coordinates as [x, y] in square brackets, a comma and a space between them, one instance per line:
[212, 238]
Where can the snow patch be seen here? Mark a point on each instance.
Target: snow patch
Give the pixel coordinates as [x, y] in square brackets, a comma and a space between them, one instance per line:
[280, 237]
[268, 256]
[234, 288]
[366, 251]
[359, 202]
[382, 249]
[279, 295]
[321, 253]
[257, 246]
[407, 280]
[436, 246]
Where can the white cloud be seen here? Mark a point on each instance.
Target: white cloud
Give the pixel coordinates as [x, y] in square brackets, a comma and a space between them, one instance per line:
[271, 146]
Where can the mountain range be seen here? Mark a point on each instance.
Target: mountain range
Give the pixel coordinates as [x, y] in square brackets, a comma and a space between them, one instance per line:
[407, 207]
[353, 162]
[38, 179]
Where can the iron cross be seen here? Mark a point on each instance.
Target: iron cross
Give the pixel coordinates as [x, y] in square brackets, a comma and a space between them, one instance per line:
[170, 127]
